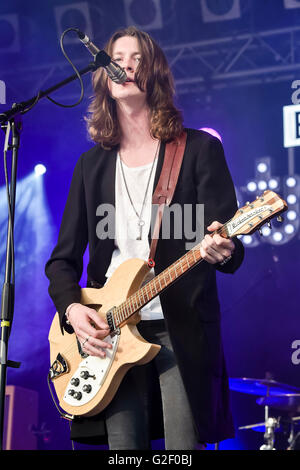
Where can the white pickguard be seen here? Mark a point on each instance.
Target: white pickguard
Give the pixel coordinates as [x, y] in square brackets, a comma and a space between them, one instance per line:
[96, 370]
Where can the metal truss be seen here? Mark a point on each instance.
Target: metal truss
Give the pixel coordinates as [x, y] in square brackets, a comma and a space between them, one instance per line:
[236, 60]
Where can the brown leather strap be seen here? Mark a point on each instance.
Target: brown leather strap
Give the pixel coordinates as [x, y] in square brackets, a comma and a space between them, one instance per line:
[166, 185]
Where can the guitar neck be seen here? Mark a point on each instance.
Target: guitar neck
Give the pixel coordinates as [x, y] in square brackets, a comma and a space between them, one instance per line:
[159, 283]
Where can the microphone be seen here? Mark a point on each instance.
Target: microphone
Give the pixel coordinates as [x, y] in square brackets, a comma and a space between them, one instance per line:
[116, 73]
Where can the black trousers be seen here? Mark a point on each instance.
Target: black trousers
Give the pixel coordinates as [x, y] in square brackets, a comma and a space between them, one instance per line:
[129, 414]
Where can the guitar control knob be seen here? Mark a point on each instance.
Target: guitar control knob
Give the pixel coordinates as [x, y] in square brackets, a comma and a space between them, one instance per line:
[71, 392]
[84, 374]
[75, 382]
[87, 388]
[77, 395]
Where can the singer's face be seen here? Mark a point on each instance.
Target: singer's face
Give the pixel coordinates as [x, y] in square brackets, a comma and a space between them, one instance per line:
[126, 53]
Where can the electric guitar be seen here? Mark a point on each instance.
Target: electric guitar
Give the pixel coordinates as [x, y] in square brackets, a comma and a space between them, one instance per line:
[85, 384]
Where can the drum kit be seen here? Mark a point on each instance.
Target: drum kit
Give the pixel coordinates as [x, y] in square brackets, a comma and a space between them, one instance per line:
[282, 399]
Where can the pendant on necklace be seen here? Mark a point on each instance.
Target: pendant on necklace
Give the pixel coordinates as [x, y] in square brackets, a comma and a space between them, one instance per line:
[141, 223]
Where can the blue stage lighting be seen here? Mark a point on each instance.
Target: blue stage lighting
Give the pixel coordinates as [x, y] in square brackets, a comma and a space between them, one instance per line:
[262, 167]
[273, 183]
[291, 199]
[289, 229]
[291, 182]
[252, 186]
[291, 215]
[39, 169]
[262, 185]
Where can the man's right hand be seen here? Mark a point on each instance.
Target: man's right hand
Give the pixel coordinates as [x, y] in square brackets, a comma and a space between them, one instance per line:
[90, 329]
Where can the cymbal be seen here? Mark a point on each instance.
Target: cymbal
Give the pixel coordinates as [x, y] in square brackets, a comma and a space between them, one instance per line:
[288, 402]
[261, 387]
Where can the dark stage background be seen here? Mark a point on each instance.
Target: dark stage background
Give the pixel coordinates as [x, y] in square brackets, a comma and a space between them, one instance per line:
[234, 63]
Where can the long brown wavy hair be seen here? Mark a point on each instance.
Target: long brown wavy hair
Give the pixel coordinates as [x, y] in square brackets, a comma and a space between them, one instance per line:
[153, 75]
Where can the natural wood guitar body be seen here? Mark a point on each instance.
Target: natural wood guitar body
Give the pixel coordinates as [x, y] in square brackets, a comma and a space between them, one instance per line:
[132, 348]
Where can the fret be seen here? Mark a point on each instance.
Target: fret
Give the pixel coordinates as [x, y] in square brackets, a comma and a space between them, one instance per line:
[129, 308]
[174, 270]
[187, 260]
[140, 302]
[142, 292]
[181, 267]
[195, 259]
[124, 313]
[117, 316]
[121, 314]
[134, 302]
[155, 288]
[137, 300]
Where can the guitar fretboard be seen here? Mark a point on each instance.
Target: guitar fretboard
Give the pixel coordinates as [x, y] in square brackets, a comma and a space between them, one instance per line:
[159, 283]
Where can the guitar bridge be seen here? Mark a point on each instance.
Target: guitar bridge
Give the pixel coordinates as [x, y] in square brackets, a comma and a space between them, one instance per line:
[58, 367]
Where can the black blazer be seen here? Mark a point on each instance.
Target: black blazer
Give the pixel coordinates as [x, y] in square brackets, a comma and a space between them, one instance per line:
[190, 306]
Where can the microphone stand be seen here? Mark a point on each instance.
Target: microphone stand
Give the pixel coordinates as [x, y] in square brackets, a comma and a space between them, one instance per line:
[12, 118]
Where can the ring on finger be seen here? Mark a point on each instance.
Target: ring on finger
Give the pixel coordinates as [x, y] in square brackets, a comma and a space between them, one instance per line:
[85, 341]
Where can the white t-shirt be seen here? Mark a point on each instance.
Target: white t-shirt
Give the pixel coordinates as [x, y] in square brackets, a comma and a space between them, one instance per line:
[126, 224]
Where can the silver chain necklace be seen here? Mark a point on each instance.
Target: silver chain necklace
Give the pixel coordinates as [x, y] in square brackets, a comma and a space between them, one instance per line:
[141, 222]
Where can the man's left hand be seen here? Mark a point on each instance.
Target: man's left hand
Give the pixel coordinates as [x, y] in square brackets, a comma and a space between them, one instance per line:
[215, 249]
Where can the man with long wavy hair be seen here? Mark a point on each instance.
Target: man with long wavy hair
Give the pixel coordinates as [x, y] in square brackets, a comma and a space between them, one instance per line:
[130, 124]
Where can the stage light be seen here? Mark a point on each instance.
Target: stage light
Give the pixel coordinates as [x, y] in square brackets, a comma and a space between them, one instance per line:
[39, 169]
[277, 236]
[289, 229]
[273, 183]
[214, 10]
[266, 231]
[145, 14]
[211, 132]
[262, 167]
[291, 215]
[291, 182]
[252, 186]
[247, 239]
[76, 15]
[291, 199]
[262, 185]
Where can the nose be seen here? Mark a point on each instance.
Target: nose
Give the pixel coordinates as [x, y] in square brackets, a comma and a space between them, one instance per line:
[129, 64]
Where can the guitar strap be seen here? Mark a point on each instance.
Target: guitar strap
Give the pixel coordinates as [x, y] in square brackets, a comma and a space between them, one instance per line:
[166, 185]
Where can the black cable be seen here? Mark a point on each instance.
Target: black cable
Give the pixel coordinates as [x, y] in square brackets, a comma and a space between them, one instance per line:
[75, 70]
